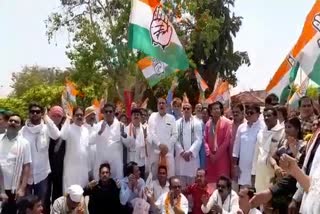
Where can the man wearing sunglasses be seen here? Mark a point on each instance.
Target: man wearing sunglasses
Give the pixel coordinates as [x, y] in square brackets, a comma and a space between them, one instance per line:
[39, 128]
[244, 145]
[222, 200]
[188, 145]
[108, 142]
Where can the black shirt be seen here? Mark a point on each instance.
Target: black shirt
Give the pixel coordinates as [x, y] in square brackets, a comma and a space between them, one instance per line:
[104, 198]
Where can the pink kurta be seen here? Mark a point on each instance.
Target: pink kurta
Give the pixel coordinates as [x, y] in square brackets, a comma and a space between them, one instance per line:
[221, 165]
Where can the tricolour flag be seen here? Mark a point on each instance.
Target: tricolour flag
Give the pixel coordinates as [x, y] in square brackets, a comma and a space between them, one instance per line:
[221, 93]
[154, 70]
[203, 86]
[151, 32]
[68, 97]
[300, 92]
[304, 54]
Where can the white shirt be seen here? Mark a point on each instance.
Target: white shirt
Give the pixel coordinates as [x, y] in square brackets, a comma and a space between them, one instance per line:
[184, 168]
[109, 149]
[136, 145]
[163, 130]
[230, 205]
[157, 189]
[8, 157]
[40, 167]
[244, 147]
[160, 203]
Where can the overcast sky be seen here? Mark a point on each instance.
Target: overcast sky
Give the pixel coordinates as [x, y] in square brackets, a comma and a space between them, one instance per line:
[270, 29]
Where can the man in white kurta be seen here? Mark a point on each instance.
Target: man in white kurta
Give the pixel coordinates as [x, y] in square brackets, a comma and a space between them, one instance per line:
[188, 145]
[108, 143]
[91, 124]
[244, 145]
[136, 141]
[76, 161]
[267, 142]
[163, 130]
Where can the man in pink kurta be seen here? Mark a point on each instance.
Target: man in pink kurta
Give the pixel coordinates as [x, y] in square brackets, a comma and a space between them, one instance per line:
[217, 138]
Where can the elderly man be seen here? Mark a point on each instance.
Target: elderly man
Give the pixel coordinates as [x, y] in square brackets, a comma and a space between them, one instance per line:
[172, 202]
[163, 131]
[188, 146]
[15, 159]
[72, 203]
[91, 124]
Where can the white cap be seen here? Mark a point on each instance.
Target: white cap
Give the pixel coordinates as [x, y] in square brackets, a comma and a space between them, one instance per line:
[75, 192]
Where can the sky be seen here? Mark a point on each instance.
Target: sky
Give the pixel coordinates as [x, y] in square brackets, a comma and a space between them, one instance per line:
[269, 30]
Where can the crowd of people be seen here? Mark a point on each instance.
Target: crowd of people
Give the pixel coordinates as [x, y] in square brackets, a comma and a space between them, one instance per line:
[180, 159]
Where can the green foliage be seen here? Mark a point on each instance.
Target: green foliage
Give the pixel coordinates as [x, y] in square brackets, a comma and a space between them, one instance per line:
[31, 77]
[14, 105]
[102, 61]
[313, 92]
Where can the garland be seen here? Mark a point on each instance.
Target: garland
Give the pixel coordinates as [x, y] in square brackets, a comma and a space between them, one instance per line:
[167, 203]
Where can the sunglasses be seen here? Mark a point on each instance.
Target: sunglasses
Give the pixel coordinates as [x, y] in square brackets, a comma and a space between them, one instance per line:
[186, 108]
[176, 187]
[14, 121]
[249, 113]
[35, 111]
[78, 115]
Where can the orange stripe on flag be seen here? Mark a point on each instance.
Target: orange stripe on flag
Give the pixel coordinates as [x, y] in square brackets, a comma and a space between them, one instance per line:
[308, 31]
[283, 69]
[144, 63]
[151, 3]
[307, 34]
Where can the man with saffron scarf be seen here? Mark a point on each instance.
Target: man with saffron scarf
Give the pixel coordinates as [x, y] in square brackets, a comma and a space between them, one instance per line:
[172, 202]
[163, 131]
[217, 137]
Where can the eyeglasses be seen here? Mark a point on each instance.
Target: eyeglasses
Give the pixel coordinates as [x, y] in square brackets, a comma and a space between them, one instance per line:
[249, 113]
[35, 111]
[14, 121]
[186, 108]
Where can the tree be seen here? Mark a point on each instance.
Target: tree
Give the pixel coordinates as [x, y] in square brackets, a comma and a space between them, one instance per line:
[33, 76]
[99, 45]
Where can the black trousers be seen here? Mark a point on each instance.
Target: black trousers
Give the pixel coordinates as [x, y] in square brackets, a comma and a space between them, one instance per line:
[10, 206]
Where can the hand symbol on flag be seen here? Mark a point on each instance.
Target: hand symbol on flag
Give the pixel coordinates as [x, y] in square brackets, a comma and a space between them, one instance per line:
[160, 29]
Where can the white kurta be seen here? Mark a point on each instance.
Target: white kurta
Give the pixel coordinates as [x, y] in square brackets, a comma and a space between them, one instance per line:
[184, 168]
[229, 206]
[163, 130]
[76, 160]
[267, 143]
[136, 146]
[244, 147]
[109, 149]
[92, 147]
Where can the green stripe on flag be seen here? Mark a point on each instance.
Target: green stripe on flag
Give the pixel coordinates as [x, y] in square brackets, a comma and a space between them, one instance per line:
[293, 72]
[315, 73]
[174, 55]
[155, 78]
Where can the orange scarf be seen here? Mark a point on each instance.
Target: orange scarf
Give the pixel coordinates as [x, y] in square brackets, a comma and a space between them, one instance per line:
[167, 203]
